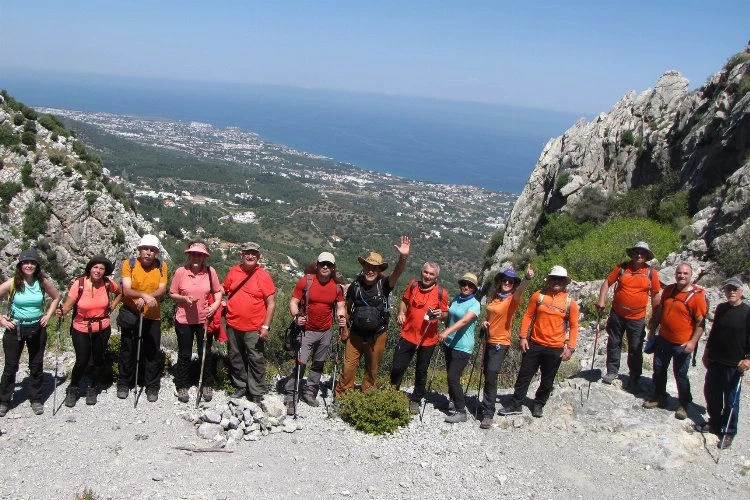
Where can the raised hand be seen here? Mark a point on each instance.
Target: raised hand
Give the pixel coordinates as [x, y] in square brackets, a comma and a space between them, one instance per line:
[404, 247]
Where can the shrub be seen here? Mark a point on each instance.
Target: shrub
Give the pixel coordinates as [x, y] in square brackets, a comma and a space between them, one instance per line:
[7, 191]
[18, 119]
[91, 198]
[627, 138]
[734, 257]
[29, 140]
[28, 112]
[559, 230]
[375, 412]
[744, 87]
[56, 156]
[52, 124]
[35, 219]
[26, 179]
[562, 179]
[673, 208]
[119, 238]
[7, 137]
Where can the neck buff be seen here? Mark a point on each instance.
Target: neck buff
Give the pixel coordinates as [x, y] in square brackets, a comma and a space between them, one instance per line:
[460, 298]
[502, 295]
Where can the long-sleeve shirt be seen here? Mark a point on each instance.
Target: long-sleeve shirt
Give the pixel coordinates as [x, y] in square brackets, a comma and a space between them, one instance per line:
[548, 320]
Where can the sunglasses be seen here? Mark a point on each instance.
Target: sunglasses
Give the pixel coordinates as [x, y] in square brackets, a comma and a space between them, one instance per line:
[326, 264]
[464, 284]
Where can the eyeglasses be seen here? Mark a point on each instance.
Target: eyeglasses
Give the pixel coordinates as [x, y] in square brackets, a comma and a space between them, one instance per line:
[326, 264]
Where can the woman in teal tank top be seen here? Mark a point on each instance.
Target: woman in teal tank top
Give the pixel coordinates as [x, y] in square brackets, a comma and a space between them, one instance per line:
[25, 324]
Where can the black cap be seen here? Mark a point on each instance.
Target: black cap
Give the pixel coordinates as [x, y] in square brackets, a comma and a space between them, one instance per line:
[100, 259]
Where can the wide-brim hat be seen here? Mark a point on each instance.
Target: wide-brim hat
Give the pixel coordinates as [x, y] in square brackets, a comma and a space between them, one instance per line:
[100, 259]
[149, 240]
[30, 254]
[196, 248]
[471, 278]
[509, 273]
[559, 272]
[641, 245]
[374, 259]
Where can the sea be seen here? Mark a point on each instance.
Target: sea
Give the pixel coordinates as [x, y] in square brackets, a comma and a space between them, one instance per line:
[486, 145]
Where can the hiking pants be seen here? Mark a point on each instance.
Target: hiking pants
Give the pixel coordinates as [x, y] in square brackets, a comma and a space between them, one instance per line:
[314, 345]
[12, 347]
[247, 361]
[664, 351]
[538, 357]
[635, 329]
[493, 357]
[151, 361]
[405, 350]
[356, 347]
[186, 332]
[88, 346]
[455, 363]
[721, 382]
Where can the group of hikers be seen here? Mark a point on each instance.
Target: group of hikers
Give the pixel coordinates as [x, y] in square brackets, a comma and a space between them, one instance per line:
[322, 303]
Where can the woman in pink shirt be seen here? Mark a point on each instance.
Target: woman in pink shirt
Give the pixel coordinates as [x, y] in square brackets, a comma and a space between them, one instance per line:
[90, 297]
[191, 286]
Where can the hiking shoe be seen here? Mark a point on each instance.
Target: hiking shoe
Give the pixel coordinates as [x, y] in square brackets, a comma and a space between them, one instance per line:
[451, 406]
[680, 413]
[4, 407]
[182, 395]
[257, 399]
[122, 392]
[456, 417]
[37, 407]
[71, 396]
[609, 378]
[414, 407]
[152, 395]
[238, 393]
[537, 411]
[290, 408]
[725, 442]
[309, 399]
[633, 386]
[511, 409]
[91, 396]
[653, 403]
[705, 428]
[207, 393]
[486, 423]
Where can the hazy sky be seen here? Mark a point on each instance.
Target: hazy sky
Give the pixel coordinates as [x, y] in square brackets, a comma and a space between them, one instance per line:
[579, 56]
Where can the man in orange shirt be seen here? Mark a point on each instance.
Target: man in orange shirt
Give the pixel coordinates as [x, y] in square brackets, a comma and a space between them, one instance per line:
[419, 312]
[634, 282]
[680, 317]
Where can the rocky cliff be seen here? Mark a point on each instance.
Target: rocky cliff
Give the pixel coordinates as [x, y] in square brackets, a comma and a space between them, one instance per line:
[55, 195]
[697, 142]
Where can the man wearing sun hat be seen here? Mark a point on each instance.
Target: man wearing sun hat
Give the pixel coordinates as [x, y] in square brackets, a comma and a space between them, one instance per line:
[635, 282]
[368, 315]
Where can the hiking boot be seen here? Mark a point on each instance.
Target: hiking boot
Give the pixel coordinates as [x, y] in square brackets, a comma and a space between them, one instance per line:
[122, 392]
[257, 399]
[290, 408]
[207, 393]
[680, 413]
[456, 417]
[37, 407]
[152, 395]
[182, 395]
[633, 386]
[309, 399]
[238, 393]
[486, 423]
[725, 442]
[4, 407]
[653, 403]
[537, 411]
[71, 396]
[414, 407]
[451, 406]
[609, 378]
[705, 428]
[511, 409]
[91, 396]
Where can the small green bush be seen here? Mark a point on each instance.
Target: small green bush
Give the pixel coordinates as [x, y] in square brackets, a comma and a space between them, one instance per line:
[18, 119]
[627, 138]
[56, 156]
[49, 183]
[562, 179]
[744, 85]
[559, 230]
[35, 220]
[29, 140]
[7, 191]
[375, 412]
[7, 137]
[26, 178]
[28, 112]
[119, 238]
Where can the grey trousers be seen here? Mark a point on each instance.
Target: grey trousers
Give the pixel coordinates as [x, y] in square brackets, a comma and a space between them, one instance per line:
[315, 346]
[248, 365]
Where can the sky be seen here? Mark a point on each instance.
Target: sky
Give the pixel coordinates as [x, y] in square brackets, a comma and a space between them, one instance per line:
[580, 56]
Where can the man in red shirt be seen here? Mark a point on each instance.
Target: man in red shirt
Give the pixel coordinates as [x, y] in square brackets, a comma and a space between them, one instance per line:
[316, 300]
[419, 312]
[680, 318]
[250, 301]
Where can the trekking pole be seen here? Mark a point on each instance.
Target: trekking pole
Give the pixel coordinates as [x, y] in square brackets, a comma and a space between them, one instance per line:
[429, 383]
[138, 358]
[480, 392]
[593, 356]
[735, 402]
[203, 363]
[473, 365]
[57, 356]
[336, 351]
[297, 378]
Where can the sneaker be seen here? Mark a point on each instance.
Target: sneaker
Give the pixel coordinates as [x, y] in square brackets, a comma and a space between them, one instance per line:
[680, 413]
[705, 428]
[37, 407]
[290, 408]
[725, 442]
[456, 417]
[609, 378]
[309, 399]
[71, 396]
[537, 411]
[207, 393]
[152, 395]
[4, 407]
[486, 423]
[414, 407]
[511, 409]
[182, 395]
[122, 392]
[91, 396]
[653, 403]
[238, 393]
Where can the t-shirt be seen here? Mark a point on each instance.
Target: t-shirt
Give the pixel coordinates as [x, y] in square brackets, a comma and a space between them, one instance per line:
[677, 318]
[361, 294]
[630, 299]
[246, 310]
[463, 339]
[198, 286]
[418, 302]
[500, 314]
[549, 319]
[146, 282]
[92, 304]
[729, 340]
[323, 298]
[28, 304]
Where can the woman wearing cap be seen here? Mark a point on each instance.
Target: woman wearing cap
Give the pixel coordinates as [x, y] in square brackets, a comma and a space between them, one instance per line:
[89, 296]
[191, 286]
[26, 324]
[549, 331]
[458, 341]
[503, 301]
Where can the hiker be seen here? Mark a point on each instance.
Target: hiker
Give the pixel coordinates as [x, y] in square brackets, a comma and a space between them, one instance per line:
[634, 283]
[144, 282]
[316, 300]
[190, 288]
[90, 297]
[680, 318]
[423, 304]
[367, 316]
[25, 323]
[250, 301]
[726, 358]
[504, 299]
[549, 331]
[458, 341]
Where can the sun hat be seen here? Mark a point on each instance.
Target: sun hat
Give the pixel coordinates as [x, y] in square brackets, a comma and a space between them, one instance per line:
[99, 259]
[249, 247]
[509, 273]
[198, 248]
[471, 278]
[559, 272]
[374, 259]
[149, 240]
[641, 245]
[327, 257]
[30, 254]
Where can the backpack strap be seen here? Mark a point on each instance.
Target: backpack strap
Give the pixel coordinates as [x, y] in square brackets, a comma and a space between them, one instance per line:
[649, 274]
[157, 263]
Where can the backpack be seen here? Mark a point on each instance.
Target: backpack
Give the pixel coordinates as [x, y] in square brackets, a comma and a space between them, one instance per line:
[566, 321]
[695, 290]
[649, 274]
[367, 319]
[442, 293]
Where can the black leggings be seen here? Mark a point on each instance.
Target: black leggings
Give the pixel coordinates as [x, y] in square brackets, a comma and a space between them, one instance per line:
[90, 349]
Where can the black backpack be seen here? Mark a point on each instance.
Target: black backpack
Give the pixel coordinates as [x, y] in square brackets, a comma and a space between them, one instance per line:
[369, 318]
